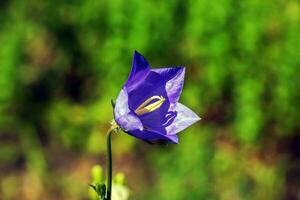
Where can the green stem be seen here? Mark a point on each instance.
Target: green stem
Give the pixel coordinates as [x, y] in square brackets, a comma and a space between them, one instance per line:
[109, 161]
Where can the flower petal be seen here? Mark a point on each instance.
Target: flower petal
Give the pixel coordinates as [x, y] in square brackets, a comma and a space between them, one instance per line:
[185, 117]
[153, 85]
[124, 117]
[167, 82]
[139, 71]
[153, 136]
[175, 80]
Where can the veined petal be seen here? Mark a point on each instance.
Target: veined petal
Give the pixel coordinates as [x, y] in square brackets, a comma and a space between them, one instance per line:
[174, 81]
[185, 117]
[124, 117]
[153, 136]
[166, 82]
[139, 71]
[153, 85]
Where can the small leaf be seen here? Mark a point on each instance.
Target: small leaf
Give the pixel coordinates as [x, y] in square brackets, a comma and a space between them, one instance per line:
[100, 189]
[93, 186]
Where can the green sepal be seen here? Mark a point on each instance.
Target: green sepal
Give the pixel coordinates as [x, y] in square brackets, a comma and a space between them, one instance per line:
[113, 103]
[100, 189]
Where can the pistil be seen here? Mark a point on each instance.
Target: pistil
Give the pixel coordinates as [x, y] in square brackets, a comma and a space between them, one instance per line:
[148, 107]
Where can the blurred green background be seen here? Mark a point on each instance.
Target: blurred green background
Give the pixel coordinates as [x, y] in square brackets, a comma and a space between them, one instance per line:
[62, 61]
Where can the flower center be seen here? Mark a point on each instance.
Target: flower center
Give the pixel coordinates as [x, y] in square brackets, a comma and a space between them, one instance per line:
[150, 105]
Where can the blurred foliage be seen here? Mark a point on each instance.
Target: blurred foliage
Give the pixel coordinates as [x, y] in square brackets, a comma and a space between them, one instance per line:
[62, 61]
[98, 186]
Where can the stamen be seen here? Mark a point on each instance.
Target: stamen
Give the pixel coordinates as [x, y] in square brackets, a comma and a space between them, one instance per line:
[147, 108]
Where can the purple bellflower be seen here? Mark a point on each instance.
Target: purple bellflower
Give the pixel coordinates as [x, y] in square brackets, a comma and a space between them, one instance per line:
[147, 106]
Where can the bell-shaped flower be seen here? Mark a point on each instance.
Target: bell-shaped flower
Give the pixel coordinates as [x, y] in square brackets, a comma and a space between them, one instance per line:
[147, 106]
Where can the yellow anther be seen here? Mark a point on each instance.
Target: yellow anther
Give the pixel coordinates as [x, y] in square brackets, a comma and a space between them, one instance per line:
[147, 107]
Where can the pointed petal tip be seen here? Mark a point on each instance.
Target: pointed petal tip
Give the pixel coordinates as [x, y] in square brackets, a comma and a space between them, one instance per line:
[139, 59]
[175, 141]
[136, 53]
[181, 70]
[139, 71]
[173, 138]
[196, 119]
